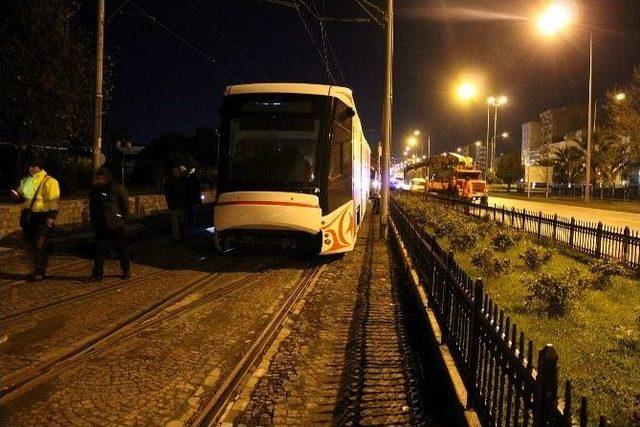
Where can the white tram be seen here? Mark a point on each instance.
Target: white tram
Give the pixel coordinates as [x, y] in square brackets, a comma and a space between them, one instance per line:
[294, 168]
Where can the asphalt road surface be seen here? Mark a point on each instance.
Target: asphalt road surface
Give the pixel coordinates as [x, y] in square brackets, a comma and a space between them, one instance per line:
[611, 218]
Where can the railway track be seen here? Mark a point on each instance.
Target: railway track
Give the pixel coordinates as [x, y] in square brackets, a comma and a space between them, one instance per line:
[23, 380]
[108, 287]
[211, 413]
[74, 263]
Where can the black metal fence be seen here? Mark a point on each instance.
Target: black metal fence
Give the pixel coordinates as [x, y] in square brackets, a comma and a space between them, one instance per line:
[595, 239]
[492, 355]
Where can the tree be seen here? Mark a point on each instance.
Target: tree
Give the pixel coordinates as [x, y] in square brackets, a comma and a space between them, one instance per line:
[509, 168]
[47, 74]
[568, 164]
[622, 117]
[199, 150]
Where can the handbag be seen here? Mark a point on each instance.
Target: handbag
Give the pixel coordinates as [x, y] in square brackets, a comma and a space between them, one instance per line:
[25, 214]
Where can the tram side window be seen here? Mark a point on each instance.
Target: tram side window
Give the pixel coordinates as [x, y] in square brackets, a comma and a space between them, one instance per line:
[340, 164]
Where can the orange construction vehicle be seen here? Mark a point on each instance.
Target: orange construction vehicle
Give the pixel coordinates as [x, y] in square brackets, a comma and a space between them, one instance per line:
[457, 176]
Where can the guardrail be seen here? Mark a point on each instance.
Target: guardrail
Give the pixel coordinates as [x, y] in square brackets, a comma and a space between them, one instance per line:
[621, 192]
[493, 357]
[595, 239]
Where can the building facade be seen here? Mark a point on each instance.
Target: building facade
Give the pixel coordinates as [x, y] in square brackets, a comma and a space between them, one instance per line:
[531, 142]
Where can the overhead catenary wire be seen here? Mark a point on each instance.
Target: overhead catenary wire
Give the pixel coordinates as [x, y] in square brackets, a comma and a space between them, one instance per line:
[214, 27]
[315, 45]
[184, 41]
[362, 4]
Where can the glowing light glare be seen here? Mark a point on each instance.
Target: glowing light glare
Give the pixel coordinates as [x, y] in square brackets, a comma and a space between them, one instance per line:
[505, 134]
[416, 132]
[497, 101]
[459, 149]
[554, 18]
[412, 141]
[466, 91]
[620, 96]
[478, 143]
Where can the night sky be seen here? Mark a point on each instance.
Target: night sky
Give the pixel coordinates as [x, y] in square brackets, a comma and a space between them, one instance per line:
[162, 85]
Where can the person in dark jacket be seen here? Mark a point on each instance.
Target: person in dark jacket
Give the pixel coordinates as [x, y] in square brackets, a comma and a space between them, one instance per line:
[174, 194]
[109, 209]
[193, 198]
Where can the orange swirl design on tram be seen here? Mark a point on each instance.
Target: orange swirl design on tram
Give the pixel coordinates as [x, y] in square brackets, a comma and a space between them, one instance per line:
[341, 238]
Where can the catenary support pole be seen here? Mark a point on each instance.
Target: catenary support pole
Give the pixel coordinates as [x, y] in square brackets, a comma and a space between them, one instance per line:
[97, 114]
[386, 122]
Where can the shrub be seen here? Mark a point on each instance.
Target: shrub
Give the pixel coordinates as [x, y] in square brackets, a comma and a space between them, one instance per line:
[553, 294]
[491, 265]
[463, 238]
[534, 257]
[602, 270]
[504, 239]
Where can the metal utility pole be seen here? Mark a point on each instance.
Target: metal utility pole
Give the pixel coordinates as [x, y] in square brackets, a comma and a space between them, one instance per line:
[97, 114]
[486, 157]
[493, 141]
[386, 122]
[587, 175]
[428, 155]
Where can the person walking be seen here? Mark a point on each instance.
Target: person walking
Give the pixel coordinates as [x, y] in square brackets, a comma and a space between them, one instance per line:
[109, 209]
[174, 194]
[40, 194]
[193, 199]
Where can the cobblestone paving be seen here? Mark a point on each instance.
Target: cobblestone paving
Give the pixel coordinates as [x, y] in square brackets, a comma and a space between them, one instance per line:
[161, 376]
[66, 282]
[39, 337]
[346, 360]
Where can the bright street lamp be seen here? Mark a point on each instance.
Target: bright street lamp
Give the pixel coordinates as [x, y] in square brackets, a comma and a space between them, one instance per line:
[557, 16]
[620, 96]
[416, 132]
[466, 91]
[505, 135]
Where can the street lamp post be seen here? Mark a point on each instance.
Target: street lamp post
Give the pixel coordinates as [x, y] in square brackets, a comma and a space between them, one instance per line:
[587, 179]
[494, 102]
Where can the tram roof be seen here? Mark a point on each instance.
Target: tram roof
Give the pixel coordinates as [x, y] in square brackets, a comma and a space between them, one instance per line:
[342, 93]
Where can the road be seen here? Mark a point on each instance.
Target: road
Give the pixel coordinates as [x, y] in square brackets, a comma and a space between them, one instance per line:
[610, 218]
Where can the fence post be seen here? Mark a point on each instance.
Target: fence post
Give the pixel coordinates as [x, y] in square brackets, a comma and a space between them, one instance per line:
[474, 341]
[446, 297]
[625, 243]
[599, 240]
[546, 395]
[539, 224]
[503, 214]
[555, 225]
[513, 216]
[571, 231]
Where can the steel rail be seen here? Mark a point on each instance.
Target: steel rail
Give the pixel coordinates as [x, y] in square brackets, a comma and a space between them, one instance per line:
[212, 411]
[24, 379]
[109, 286]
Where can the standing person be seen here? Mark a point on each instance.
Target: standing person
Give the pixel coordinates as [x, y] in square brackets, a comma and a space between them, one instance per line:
[109, 209]
[193, 198]
[41, 195]
[174, 194]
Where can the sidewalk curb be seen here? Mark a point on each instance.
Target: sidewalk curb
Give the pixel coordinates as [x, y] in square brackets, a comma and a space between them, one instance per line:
[452, 378]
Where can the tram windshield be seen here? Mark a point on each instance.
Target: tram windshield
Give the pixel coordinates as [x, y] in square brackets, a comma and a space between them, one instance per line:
[273, 141]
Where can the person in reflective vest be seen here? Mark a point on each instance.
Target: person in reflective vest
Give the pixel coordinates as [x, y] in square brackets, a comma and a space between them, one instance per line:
[40, 193]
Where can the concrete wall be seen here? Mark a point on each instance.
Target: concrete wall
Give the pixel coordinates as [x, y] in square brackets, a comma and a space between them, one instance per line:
[77, 211]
